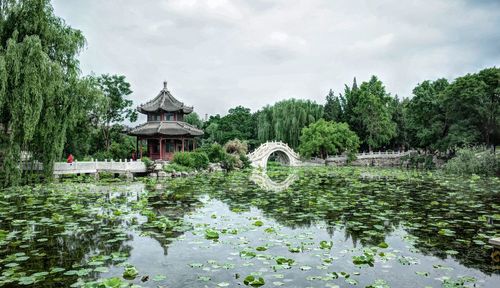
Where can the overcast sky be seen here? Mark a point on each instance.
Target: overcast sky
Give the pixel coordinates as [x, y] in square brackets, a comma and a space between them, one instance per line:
[218, 54]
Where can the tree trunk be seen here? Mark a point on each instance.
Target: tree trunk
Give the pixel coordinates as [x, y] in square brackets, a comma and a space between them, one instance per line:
[106, 137]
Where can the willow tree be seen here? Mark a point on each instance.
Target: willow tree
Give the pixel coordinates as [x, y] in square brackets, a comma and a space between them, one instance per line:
[39, 83]
[284, 120]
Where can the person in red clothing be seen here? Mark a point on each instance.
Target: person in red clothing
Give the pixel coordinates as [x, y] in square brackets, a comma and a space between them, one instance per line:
[70, 158]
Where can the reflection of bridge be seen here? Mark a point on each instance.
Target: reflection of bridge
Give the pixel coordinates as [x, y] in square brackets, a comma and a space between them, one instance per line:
[263, 181]
[260, 156]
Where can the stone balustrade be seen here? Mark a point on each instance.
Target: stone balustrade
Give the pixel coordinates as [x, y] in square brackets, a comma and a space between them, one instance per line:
[85, 167]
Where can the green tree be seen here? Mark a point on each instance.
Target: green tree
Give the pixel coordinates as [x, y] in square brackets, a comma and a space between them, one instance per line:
[472, 109]
[212, 132]
[443, 116]
[426, 116]
[323, 138]
[284, 120]
[491, 107]
[239, 123]
[115, 107]
[373, 114]
[349, 100]
[333, 108]
[398, 111]
[85, 138]
[39, 84]
[194, 119]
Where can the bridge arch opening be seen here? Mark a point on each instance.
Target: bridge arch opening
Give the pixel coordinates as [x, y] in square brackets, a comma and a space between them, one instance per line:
[277, 151]
[278, 157]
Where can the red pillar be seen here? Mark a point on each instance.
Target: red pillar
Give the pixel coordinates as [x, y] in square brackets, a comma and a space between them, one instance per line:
[140, 149]
[150, 149]
[161, 149]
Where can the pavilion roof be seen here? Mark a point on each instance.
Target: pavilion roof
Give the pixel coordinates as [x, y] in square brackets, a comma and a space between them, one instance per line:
[166, 128]
[164, 102]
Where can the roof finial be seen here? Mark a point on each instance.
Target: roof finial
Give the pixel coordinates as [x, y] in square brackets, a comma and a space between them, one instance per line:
[164, 85]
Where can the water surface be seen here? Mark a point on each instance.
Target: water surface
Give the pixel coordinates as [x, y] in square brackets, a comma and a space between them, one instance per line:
[327, 228]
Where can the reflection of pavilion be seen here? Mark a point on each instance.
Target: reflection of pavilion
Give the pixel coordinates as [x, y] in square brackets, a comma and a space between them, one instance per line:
[263, 181]
[172, 205]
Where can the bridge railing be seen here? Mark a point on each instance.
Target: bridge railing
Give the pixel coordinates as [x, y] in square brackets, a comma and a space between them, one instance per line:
[262, 150]
[134, 166]
[377, 154]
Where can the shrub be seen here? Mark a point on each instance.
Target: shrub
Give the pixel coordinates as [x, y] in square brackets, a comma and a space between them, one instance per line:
[236, 147]
[147, 162]
[183, 159]
[245, 161]
[474, 160]
[173, 167]
[230, 162]
[195, 160]
[418, 161]
[214, 151]
[199, 159]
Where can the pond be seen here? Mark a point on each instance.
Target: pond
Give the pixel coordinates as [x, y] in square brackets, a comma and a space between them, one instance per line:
[324, 227]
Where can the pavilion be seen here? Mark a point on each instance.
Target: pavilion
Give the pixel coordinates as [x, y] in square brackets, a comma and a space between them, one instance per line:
[165, 130]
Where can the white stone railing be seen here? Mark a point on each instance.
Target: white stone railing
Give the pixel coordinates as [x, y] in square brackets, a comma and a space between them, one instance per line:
[372, 155]
[94, 166]
[99, 166]
[263, 149]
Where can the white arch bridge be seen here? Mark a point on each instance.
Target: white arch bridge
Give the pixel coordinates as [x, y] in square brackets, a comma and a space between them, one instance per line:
[287, 156]
[284, 153]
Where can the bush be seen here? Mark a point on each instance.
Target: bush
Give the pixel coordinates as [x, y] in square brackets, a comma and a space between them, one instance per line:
[183, 159]
[200, 160]
[236, 147]
[147, 162]
[230, 162]
[245, 161]
[214, 151]
[474, 160]
[173, 167]
[418, 161]
[195, 160]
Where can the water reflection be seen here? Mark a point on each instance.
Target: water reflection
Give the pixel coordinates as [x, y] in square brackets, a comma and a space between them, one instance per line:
[60, 227]
[427, 221]
[264, 181]
[441, 218]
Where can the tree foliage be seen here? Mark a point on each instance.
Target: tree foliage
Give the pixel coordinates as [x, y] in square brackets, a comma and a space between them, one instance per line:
[370, 111]
[426, 115]
[477, 160]
[236, 146]
[333, 108]
[373, 114]
[443, 115]
[284, 120]
[99, 129]
[39, 83]
[324, 137]
[194, 119]
[114, 107]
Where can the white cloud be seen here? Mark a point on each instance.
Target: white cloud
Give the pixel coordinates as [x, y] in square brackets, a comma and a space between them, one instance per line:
[216, 54]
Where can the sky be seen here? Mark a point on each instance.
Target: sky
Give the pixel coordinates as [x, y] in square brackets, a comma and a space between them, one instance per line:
[218, 54]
